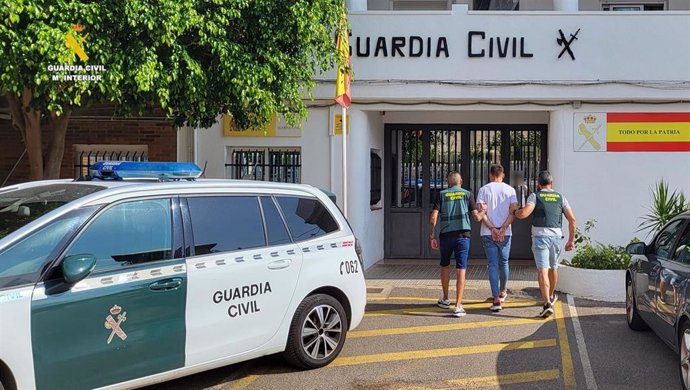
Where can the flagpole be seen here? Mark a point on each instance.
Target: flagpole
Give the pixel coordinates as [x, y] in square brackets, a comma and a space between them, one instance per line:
[344, 131]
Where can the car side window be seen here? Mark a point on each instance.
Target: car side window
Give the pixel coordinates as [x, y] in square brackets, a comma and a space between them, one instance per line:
[226, 223]
[682, 251]
[307, 218]
[128, 233]
[275, 227]
[21, 263]
[664, 240]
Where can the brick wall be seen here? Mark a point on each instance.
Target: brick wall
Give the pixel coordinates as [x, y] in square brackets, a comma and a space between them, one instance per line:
[159, 136]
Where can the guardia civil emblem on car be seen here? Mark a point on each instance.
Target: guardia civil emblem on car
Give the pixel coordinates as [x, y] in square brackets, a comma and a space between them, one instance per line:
[116, 326]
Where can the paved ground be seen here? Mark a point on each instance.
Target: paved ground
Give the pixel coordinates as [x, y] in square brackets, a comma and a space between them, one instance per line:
[405, 342]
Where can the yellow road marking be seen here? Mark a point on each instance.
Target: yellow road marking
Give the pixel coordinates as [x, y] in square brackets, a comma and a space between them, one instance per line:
[243, 383]
[566, 357]
[445, 327]
[443, 352]
[467, 306]
[507, 379]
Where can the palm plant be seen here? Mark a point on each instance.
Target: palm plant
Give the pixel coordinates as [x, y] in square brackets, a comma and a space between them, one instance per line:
[665, 205]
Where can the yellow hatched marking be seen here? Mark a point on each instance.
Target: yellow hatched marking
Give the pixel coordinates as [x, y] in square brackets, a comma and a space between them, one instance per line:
[467, 306]
[445, 327]
[566, 357]
[443, 352]
[507, 379]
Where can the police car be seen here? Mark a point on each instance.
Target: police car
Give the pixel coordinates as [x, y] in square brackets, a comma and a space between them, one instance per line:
[120, 281]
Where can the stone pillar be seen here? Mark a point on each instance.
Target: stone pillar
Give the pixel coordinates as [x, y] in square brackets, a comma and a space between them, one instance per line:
[356, 5]
[565, 5]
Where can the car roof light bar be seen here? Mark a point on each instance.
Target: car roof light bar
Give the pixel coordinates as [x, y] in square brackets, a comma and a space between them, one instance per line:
[163, 171]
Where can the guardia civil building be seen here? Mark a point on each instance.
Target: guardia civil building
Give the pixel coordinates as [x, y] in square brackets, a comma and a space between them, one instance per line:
[596, 91]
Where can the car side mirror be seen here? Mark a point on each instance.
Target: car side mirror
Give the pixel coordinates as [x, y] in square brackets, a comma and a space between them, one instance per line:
[77, 267]
[637, 248]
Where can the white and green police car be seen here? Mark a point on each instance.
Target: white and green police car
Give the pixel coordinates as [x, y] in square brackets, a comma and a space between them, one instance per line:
[111, 283]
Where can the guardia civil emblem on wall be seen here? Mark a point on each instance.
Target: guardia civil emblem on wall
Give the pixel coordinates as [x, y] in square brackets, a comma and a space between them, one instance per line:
[589, 132]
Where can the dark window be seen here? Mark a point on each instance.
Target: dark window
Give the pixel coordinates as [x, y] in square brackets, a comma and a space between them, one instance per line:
[496, 5]
[633, 7]
[20, 207]
[375, 187]
[128, 233]
[665, 239]
[21, 262]
[275, 227]
[306, 218]
[682, 252]
[226, 223]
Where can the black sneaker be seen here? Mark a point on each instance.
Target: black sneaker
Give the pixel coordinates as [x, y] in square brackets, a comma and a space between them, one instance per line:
[547, 311]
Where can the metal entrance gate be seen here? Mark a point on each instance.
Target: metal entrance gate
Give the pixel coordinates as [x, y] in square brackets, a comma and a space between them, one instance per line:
[417, 159]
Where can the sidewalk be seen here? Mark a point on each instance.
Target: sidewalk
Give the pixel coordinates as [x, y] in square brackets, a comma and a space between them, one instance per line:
[425, 274]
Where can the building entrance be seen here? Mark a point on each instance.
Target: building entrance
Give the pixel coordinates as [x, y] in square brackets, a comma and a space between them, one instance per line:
[417, 159]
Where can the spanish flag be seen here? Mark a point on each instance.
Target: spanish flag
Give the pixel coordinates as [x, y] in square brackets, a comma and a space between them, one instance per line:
[342, 78]
[648, 132]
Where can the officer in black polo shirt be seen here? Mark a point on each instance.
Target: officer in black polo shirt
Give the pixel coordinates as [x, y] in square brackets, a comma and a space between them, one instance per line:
[549, 207]
[455, 204]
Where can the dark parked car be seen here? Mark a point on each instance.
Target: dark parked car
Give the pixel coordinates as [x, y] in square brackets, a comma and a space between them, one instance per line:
[657, 288]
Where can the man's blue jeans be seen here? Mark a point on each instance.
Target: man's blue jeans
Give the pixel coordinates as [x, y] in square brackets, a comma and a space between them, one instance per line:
[497, 253]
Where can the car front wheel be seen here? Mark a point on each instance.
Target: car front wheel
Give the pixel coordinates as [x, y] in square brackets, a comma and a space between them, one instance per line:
[684, 354]
[317, 332]
[635, 322]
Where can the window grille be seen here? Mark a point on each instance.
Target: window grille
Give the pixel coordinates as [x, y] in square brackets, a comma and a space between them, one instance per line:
[265, 164]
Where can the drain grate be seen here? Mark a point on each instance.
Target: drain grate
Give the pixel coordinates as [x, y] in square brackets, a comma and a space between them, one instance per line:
[372, 290]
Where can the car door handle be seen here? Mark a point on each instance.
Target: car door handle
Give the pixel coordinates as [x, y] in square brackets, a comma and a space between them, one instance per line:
[166, 284]
[279, 264]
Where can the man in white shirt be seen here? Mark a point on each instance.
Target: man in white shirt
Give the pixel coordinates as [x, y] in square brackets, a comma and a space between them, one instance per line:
[501, 201]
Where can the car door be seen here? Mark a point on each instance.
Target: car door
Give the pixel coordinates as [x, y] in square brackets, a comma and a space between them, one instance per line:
[669, 276]
[673, 283]
[126, 319]
[647, 273]
[242, 275]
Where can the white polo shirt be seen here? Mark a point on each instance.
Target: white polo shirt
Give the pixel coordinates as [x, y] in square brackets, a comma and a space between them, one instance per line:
[498, 196]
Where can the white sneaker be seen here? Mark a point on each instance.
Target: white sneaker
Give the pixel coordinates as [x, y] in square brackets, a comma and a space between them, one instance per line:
[496, 306]
[443, 303]
[459, 312]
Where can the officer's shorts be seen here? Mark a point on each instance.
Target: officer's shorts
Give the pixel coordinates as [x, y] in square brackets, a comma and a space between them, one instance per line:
[458, 245]
[547, 251]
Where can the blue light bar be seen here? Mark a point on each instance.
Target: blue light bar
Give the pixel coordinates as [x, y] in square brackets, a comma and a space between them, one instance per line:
[117, 170]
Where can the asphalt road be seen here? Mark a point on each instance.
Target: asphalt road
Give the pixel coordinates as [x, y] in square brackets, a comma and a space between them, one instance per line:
[405, 342]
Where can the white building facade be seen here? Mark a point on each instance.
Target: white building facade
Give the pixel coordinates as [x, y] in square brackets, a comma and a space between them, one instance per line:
[600, 99]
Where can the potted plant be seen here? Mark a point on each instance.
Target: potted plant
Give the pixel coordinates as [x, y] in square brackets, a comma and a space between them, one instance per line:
[596, 271]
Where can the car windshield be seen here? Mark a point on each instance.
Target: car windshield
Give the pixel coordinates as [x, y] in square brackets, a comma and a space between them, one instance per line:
[22, 206]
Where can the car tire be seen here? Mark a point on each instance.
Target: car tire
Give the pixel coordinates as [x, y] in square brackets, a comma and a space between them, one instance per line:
[684, 355]
[317, 332]
[632, 314]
